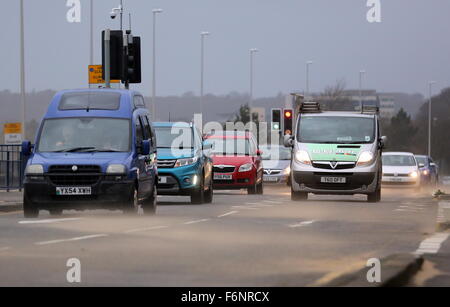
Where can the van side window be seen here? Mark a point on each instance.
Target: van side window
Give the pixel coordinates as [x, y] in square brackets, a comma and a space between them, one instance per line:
[139, 102]
[147, 131]
[152, 131]
[139, 131]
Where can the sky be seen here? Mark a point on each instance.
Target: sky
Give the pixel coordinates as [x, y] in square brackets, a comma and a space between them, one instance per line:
[402, 53]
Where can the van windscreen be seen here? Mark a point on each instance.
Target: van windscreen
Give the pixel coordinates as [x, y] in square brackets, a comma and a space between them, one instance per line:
[90, 100]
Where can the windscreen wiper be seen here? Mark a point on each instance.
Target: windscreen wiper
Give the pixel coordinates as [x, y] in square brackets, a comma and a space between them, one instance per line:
[75, 149]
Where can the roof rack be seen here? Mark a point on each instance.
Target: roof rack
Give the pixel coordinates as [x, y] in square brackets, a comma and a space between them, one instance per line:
[310, 107]
[370, 110]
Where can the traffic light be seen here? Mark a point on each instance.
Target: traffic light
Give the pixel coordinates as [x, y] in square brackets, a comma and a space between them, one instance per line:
[288, 119]
[276, 119]
[132, 65]
[116, 55]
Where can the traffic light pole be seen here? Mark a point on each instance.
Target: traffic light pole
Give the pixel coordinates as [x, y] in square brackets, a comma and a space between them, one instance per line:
[107, 59]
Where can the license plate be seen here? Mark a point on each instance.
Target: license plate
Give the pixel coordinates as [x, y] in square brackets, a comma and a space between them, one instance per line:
[223, 177]
[74, 191]
[162, 179]
[270, 179]
[333, 179]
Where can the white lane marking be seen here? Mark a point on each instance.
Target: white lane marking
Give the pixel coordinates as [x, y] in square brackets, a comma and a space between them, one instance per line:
[4, 249]
[196, 221]
[252, 204]
[301, 224]
[49, 221]
[145, 229]
[245, 207]
[71, 239]
[433, 244]
[228, 213]
[272, 202]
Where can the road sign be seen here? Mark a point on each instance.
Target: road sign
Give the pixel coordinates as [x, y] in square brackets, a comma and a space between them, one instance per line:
[13, 133]
[95, 75]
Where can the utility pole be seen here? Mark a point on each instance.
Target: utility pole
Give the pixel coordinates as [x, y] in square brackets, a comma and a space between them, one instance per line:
[22, 70]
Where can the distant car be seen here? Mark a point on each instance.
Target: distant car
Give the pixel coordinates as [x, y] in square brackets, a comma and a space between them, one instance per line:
[184, 165]
[237, 161]
[429, 172]
[276, 163]
[400, 169]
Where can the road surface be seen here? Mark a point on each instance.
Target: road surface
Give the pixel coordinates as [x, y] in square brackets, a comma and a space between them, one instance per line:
[239, 240]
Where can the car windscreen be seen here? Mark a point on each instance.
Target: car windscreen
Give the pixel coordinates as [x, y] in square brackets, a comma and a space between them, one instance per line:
[174, 137]
[422, 160]
[398, 160]
[336, 130]
[230, 146]
[90, 100]
[85, 134]
[275, 153]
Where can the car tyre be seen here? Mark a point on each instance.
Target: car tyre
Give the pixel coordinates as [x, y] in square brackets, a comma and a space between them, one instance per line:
[198, 196]
[209, 195]
[298, 196]
[150, 204]
[30, 210]
[132, 206]
[251, 190]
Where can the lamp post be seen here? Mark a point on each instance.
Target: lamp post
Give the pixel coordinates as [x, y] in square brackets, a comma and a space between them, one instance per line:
[155, 12]
[361, 74]
[307, 78]
[252, 52]
[22, 69]
[430, 85]
[202, 66]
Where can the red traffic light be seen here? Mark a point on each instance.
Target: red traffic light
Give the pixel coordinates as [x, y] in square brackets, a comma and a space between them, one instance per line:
[287, 114]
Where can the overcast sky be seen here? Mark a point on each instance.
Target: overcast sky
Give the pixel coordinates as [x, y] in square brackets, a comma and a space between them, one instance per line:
[409, 47]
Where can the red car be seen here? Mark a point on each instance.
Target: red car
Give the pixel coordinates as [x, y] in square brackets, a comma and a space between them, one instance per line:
[237, 161]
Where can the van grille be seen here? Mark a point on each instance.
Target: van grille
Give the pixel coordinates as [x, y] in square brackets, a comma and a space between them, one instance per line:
[339, 165]
[84, 175]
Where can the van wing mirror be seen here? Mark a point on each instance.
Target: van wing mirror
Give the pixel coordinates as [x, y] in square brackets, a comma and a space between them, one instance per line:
[288, 141]
[145, 148]
[26, 148]
[383, 141]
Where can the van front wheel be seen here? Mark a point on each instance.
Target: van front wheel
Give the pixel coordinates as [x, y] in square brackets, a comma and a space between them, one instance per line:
[298, 196]
[374, 197]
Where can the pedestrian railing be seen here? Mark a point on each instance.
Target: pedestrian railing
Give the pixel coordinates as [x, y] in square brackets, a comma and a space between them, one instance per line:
[11, 167]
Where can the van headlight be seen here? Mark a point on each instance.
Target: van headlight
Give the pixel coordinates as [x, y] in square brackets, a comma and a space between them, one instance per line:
[116, 169]
[34, 169]
[185, 162]
[413, 174]
[302, 156]
[245, 167]
[365, 158]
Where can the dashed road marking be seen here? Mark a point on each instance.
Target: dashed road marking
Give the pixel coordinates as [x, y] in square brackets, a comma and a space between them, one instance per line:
[71, 239]
[433, 244]
[196, 221]
[228, 213]
[145, 229]
[301, 224]
[272, 201]
[49, 221]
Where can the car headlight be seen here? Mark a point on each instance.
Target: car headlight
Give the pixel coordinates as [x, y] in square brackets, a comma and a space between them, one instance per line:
[365, 158]
[426, 172]
[287, 170]
[302, 156]
[413, 174]
[245, 167]
[185, 162]
[34, 169]
[116, 169]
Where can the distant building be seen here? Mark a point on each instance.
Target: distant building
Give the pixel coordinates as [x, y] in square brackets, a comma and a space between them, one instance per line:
[387, 106]
[367, 97]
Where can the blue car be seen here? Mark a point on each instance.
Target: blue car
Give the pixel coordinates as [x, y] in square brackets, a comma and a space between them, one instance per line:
[95, 149]
[184, 165]
[429, 172]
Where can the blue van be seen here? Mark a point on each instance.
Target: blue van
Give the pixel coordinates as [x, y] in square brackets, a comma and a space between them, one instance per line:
[95, 149]
[184, 165]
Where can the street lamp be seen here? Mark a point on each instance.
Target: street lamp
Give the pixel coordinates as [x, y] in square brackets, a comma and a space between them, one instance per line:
[155, 11]
[202, 66]
[430, 84]
[307, 78]
[252, 52]
[22, 69]
[91, 25]
[361, 73]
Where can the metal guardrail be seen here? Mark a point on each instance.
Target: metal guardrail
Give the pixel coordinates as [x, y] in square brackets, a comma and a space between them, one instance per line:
[12, 166]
